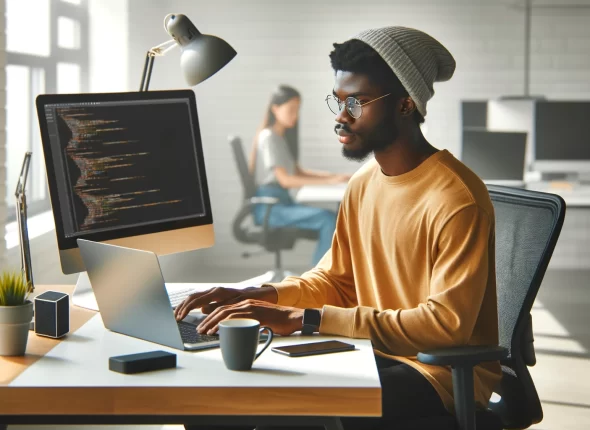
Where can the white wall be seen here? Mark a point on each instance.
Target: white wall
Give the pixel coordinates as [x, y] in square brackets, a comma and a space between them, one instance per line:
[289, 41]
[109, 21]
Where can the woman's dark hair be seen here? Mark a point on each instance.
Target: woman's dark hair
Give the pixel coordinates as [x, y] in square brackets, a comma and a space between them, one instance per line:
[357, 57]
[280, 96]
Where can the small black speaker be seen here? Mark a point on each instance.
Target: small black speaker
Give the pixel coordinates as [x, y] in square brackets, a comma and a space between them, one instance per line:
[52, 314]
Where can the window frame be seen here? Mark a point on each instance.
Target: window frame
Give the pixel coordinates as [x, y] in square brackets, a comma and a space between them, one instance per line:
[57, 54]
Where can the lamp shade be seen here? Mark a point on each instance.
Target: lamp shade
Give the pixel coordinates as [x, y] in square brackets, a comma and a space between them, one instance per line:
[202, 55]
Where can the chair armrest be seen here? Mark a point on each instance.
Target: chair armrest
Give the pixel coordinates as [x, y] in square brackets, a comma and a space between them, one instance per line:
[469, 355]
[462, 359]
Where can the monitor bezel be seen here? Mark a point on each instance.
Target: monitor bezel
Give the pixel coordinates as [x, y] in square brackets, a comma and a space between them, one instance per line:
[126, 232]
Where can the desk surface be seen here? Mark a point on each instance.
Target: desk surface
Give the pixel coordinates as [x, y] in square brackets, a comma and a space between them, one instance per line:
[72, 377]
[321, 193]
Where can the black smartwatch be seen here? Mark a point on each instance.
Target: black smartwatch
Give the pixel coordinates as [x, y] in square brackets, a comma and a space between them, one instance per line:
[311, 321]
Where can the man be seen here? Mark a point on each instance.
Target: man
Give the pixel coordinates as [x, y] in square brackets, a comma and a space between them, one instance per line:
[412, 263]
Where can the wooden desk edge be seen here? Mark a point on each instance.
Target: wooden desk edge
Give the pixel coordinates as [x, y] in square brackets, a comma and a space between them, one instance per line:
[191, 401]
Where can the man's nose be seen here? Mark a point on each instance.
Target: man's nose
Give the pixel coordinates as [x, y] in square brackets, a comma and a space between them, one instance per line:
[344, 117]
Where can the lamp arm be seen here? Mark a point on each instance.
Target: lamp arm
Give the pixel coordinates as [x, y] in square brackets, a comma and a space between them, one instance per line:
[21, 217]
[160, 50]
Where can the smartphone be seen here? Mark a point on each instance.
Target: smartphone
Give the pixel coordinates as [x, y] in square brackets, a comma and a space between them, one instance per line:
[313, 348]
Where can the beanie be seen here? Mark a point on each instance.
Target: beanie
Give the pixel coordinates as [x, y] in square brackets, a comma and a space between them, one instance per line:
[417, 59]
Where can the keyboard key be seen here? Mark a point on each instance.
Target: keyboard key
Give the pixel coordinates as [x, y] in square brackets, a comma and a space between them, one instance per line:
[189, 334]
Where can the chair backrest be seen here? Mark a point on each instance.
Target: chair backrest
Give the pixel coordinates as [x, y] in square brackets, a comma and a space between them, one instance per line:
[248, 184]
[528, 224]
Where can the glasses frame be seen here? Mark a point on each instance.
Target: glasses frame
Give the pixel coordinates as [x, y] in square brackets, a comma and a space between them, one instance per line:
[346, 102]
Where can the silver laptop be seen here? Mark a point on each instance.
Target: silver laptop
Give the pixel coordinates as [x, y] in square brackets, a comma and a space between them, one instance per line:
[132, 297]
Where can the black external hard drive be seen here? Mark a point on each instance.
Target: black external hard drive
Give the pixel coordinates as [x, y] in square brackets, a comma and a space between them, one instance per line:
[142, 362]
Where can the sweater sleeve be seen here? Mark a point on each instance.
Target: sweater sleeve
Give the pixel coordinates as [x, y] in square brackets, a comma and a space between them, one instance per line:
[448, 315]
[331, 282]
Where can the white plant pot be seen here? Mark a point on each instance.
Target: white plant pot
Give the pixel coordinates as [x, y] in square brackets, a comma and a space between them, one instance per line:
[14, 328]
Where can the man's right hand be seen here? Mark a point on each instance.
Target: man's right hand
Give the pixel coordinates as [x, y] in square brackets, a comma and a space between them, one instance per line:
[211, 299]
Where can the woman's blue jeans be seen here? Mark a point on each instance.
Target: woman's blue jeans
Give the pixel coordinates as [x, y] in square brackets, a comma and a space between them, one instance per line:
[287, 213]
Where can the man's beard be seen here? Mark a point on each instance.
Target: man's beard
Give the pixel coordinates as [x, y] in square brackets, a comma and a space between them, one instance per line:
[380, 138]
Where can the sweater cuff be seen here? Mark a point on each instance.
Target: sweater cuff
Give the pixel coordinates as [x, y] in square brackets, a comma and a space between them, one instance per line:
[288, 293]
[338, 321]
[347, 322]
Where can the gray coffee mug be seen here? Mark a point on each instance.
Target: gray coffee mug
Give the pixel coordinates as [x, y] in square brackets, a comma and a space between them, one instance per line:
[239, 340]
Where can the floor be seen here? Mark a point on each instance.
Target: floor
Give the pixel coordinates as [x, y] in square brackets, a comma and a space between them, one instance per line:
[561, 321]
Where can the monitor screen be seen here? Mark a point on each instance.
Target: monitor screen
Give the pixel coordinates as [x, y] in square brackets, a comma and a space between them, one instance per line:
[126, 168]
[561, 131]
[494, 155]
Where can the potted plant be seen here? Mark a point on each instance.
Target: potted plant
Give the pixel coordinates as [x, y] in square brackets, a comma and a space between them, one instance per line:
[16, 313]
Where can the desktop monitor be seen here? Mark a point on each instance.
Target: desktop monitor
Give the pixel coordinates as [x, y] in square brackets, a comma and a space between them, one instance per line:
[562, 141]
[496, 157]
[126, 169]
[474, 113]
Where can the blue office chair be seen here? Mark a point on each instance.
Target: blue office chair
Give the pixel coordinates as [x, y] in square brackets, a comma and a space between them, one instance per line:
[246, 231]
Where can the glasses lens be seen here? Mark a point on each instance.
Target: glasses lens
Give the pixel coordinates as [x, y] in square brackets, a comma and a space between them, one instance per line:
[353, 107]
[333, 105]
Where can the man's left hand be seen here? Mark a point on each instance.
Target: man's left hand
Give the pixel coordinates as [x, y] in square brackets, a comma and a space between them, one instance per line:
[282, 320]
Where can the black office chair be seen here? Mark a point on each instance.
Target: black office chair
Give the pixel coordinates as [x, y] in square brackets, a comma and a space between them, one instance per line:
[528, 224]
[245, 229]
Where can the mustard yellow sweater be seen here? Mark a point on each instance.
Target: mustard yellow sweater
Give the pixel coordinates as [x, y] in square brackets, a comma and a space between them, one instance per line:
[412, 268]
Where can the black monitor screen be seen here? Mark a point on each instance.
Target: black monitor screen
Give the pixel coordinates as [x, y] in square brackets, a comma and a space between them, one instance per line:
[561, 130]
[124, 164]
[494, 155]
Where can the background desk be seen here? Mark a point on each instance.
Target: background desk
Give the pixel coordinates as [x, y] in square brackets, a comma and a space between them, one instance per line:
[575, 197]
[321, 194]
[69, 380]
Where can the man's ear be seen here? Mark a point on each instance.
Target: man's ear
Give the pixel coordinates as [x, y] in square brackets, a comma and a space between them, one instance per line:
[408, 107]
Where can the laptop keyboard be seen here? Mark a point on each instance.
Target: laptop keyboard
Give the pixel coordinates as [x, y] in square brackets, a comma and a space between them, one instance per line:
[188, 333]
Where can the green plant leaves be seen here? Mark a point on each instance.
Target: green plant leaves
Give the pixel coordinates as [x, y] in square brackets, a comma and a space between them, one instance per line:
[14, 290]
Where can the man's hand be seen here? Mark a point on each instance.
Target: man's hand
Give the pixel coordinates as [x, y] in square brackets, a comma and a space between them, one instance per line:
[211, 299]
[282, 320]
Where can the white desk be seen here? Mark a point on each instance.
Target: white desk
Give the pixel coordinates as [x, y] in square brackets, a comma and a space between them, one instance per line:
[60, 380]
[321, 193]
[576, 196]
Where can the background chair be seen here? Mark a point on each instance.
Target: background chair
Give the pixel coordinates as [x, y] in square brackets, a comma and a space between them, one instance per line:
[245, 229]
[528, 224]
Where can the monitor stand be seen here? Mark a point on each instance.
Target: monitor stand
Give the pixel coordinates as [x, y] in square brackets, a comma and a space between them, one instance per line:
[83, 295]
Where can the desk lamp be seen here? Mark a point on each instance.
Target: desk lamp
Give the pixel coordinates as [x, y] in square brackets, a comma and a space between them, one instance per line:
[202, 55]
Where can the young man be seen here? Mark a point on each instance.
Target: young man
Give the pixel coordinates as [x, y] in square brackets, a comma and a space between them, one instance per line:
[412, 263]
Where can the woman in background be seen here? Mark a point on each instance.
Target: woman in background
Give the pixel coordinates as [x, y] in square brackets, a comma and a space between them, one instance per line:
[276, 171]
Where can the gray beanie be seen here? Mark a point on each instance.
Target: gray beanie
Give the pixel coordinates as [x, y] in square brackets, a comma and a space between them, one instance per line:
[417, 59]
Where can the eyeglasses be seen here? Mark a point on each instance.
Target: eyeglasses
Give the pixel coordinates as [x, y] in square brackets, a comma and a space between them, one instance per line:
[352, 105]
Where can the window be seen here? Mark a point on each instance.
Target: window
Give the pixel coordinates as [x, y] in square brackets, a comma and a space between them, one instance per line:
[51, 59]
